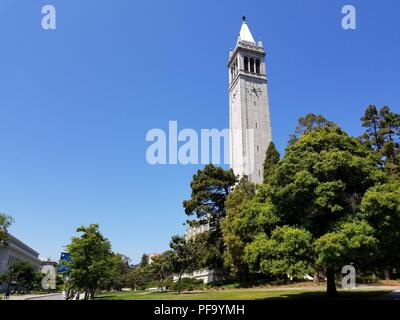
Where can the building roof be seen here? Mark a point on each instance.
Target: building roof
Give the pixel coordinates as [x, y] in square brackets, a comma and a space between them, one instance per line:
[245, 33]
[13, 240]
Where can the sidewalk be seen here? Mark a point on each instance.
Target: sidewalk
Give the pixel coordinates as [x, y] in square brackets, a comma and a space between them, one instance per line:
[33, 296]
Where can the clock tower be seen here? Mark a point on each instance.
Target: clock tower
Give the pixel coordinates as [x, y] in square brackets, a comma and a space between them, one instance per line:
[249, 117]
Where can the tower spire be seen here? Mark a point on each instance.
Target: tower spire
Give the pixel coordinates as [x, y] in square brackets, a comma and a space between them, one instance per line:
[245, 34]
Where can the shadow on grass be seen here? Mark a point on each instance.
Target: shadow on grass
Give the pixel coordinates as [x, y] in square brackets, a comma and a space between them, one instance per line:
[243, 295]
[343, 295]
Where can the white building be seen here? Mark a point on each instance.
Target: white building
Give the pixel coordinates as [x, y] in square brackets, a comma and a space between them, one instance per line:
[205, 275]
[191, 232]
[151, 256]
[249, 116]
[16, 251]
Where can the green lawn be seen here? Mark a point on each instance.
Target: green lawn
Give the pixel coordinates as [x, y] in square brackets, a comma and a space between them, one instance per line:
[243, 294]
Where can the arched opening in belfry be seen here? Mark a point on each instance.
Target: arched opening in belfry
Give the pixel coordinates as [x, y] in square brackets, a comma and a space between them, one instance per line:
[251, 64]
[258, 66]
[246, 63]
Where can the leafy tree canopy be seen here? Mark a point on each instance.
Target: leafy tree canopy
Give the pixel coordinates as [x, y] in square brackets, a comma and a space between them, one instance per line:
[92, 261]
[5, 223]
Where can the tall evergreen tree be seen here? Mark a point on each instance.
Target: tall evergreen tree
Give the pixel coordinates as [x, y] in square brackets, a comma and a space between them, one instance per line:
[271, 159]
[210, 187]
[234, 242]
[309, 123]
[382, 135]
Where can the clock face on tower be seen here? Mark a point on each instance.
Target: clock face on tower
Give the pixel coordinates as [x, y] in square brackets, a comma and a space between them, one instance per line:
[254, 89]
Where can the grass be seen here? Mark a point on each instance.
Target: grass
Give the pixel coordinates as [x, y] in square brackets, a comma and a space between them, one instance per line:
[245, 294]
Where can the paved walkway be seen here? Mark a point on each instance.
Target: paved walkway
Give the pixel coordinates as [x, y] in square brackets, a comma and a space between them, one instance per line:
[51, 296]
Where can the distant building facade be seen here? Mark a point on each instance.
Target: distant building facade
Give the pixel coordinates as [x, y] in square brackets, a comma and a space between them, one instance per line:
[16, 251]
[191, 232]
[48, 262]
[205, 275]
[151, 256]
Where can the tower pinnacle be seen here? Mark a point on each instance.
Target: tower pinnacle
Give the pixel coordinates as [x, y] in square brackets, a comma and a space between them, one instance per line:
[245, 34]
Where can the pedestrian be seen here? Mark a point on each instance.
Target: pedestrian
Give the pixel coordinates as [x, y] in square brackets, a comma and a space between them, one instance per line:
[8, 293]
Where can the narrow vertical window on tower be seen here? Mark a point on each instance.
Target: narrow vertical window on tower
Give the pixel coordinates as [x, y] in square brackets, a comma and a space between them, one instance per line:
[246, 64]
[251, 65]
[258, 66]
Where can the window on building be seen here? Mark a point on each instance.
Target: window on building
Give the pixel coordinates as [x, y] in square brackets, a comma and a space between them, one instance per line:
[258, 66]
[246, 63]
[251, 64]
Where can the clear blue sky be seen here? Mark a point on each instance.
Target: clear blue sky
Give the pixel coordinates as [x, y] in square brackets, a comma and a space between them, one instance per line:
[76, 103]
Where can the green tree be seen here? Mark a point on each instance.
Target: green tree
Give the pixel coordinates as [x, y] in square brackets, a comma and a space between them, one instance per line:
[321, 182]
[209, 247]
[118, 273]
[380, 206]
[234, 244]
[309, 123]
[183, 257]
[317, 186]
[137, 277]
[91, 260]
[322, 179]
[349, 242]
[382, 135]
[271, 159]
[144, 261]
[24, 273]
[5, 223]
[161, 267]
[372, 122]
[288, 253]
[210, 188]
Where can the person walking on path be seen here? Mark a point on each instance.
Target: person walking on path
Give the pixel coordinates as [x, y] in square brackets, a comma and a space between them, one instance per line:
[8, 293]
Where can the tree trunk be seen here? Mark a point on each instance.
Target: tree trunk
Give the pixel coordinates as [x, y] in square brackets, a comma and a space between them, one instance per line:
[316, 276]
[386, 272]
[331, 284]
[179, 283]
[162, 284]
[243, 274]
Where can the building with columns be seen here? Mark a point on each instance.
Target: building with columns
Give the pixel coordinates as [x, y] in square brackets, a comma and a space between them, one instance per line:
[249, 116]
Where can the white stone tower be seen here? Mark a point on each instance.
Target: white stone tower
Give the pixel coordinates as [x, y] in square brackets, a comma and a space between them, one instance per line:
[249, 117]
